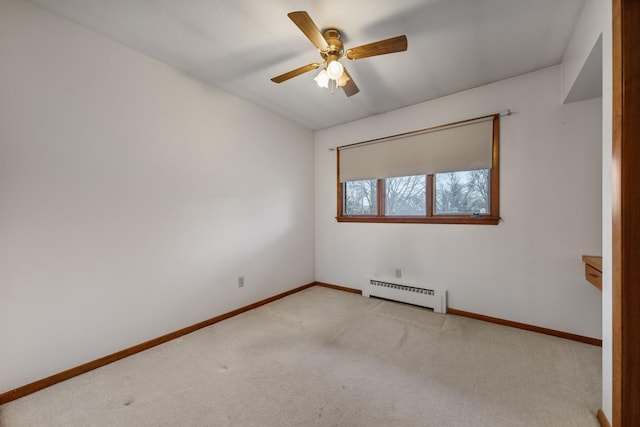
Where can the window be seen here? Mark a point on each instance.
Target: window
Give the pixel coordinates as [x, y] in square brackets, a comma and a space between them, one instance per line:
[405, 195]
[361, 197]
[462, 193]
[464, 196]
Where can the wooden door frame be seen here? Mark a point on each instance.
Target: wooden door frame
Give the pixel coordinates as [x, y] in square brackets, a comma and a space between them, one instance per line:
[626, 213]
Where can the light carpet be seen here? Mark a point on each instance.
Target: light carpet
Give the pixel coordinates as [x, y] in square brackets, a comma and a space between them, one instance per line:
[323, 357]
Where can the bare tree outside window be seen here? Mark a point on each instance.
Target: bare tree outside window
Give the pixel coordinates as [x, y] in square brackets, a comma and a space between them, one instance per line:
[406, 195]
[361, 197]
[462, 192]
[455, 194]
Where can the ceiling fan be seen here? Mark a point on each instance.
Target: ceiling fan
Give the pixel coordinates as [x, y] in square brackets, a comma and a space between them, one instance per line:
[331, 49]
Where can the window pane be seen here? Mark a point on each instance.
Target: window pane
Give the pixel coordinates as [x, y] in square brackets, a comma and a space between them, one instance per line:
[463, 193]
[406, 195]
[361, 197]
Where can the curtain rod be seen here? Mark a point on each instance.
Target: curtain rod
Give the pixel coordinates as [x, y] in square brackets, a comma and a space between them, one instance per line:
[480, 119]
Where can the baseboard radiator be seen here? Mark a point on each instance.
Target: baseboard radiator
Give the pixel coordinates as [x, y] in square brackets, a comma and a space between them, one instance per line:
[407, 292]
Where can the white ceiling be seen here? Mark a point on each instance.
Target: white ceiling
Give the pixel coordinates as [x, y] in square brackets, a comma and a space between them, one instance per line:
[238, 45]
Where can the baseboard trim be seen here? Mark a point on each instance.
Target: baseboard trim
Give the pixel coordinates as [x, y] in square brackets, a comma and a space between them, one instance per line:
[602, 419]
[89, 366]
[518, 325]
[339, 288]
[526, 327]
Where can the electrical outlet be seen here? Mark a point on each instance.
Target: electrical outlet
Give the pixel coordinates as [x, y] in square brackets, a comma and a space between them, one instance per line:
[240, 281]
[398, 273]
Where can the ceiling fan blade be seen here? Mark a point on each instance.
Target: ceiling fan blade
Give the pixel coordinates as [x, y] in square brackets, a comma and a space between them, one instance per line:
[382, 47]
[309, 28]
[350, 88]
[291, 74]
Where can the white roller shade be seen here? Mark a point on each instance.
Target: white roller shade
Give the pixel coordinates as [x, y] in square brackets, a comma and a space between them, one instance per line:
[452, 148]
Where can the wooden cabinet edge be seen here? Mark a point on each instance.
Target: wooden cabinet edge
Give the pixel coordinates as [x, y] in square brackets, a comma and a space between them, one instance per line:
[593, 270]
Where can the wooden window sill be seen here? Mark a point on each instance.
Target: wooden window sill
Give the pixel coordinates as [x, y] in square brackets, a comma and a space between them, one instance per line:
[449, 219]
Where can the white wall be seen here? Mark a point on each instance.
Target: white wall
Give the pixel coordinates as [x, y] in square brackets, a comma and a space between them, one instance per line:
[607, 234]
[526, 269]
[582, 61]
[596, 21]
[595, 26]
[132, 197]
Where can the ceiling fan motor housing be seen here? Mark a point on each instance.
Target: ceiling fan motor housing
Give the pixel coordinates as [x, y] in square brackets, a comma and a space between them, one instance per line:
[336, 48]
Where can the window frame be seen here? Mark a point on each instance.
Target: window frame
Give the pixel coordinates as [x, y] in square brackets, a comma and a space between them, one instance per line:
[493, 218]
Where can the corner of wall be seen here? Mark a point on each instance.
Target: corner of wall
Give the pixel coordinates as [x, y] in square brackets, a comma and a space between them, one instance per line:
[578, 73]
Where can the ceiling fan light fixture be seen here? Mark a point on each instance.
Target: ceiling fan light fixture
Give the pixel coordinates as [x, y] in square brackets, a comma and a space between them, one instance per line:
[335, 70]
[322, 79]
[342, 80]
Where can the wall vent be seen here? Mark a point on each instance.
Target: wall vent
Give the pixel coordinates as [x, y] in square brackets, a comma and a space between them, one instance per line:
[407, 292]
